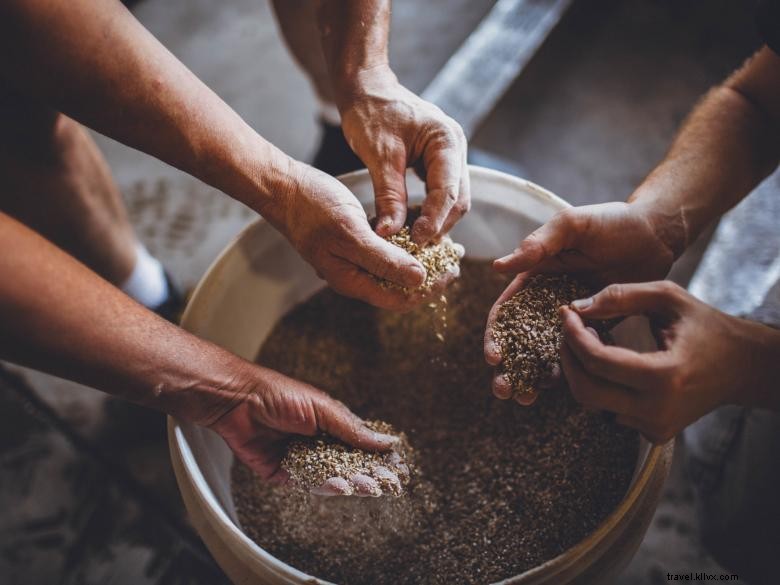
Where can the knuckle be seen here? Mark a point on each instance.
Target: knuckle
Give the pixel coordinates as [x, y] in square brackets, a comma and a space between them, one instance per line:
[669, 289]
[615, 293]
[457, 129]
[568, 219]
[531, 245]
[462, 207]
[450, 195]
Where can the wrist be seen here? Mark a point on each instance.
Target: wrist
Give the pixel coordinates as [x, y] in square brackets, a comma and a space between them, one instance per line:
[352, 86]
[252, 171]
[669, 225]
[214, 393]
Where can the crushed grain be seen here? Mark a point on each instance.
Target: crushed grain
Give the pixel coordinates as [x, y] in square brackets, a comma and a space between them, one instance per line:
[499, 488]
[310, 462]
[438, 258]
[528, 329]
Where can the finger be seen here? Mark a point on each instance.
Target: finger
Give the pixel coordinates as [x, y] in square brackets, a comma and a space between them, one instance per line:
[337, 420]
[622, 300]
[463, 205]
[502, 389]
[390, 195]
[349, 280]
[526, 398]
[387, 477]
[591, 391]
[365, 486]
[444, 167]
[610, 362]
[264, 458]
[491, 347]
[383, 259]
[544, 243]
[334, 486]
[394, 458]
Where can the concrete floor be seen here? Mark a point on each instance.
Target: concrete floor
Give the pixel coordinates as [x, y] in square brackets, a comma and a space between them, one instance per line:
[588, 119]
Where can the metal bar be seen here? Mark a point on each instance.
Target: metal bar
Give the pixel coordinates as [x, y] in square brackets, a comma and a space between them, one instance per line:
[473, 80]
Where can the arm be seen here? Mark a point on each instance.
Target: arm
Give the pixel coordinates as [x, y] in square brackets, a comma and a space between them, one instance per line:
[59, 317]
[95, 62]
[389, 127]
[729, 143]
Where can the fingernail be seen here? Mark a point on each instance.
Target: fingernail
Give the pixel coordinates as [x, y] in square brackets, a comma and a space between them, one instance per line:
[334, 486]
[502, 389]
[383, 473]
[385, 439]
[503, 259]
[365, 486]
[384, 225]
[416, 275]
[492, 353]
[593, 332]
[582, 304]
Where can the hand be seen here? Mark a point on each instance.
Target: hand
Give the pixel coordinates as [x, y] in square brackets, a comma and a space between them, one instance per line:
[327, 225]
[705, 358]
[390, 129]
[611, 242]
[271, 408]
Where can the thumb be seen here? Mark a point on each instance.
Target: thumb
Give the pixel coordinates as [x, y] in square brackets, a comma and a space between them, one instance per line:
[338, 421]
[544, 243]
[383, 259]
[390, 196]
[623, 300]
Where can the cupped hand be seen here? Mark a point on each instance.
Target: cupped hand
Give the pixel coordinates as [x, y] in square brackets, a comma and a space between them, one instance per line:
[391, 129]
[329, 228]
[272, 408]
[703, 360]
[609, 242]
[603, 244]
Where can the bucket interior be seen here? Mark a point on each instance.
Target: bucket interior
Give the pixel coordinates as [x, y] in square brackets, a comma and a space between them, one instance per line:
[260, 277]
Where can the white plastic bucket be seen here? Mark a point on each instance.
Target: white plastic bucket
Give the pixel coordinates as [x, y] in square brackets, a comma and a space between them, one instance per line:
[259, 277]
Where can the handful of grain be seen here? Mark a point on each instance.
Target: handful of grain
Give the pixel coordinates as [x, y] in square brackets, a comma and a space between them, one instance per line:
[324, 465]
[438, 259]
[528, 329]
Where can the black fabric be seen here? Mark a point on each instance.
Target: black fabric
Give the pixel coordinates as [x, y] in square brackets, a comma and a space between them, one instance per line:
[768, 19]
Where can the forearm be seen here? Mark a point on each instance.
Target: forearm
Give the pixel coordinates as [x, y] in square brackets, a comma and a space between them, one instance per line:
[354, 36]
[58, 316]
[95, 62]
[726, 147]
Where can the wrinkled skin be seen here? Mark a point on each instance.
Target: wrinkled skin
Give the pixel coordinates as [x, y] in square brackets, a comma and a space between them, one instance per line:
[273, 408]
[391, 129]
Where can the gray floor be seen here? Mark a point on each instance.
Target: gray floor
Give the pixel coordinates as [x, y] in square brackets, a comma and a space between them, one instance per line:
[589, 118]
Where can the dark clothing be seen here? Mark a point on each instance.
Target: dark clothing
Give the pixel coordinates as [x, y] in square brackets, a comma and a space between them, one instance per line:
[768, 20]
